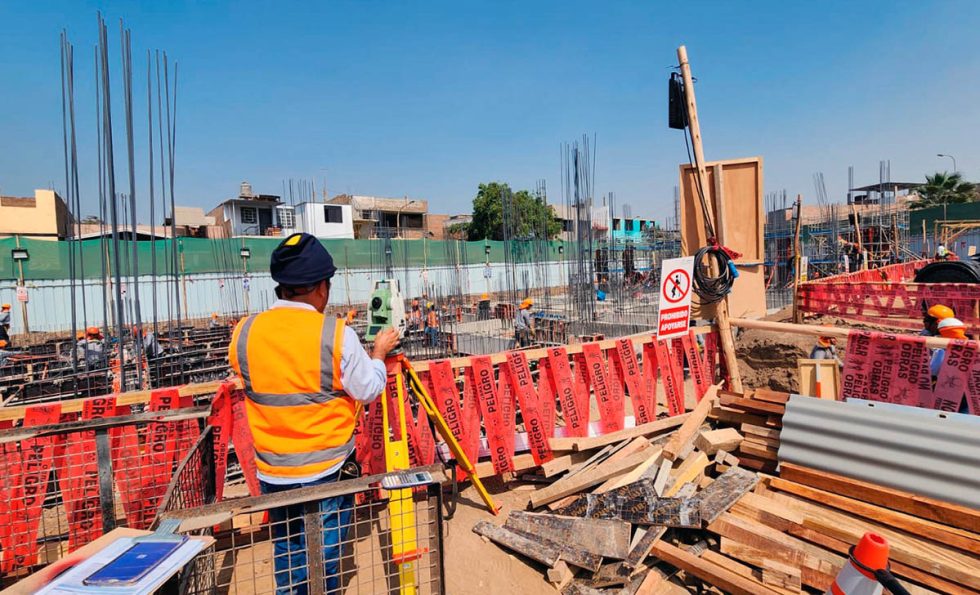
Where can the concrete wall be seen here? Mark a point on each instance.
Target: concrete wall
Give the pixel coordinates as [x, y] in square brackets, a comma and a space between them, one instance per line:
[310, 218]
[50, 307]
[44, 217]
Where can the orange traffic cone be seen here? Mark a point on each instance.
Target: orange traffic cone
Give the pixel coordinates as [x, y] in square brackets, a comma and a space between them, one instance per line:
[857, 577]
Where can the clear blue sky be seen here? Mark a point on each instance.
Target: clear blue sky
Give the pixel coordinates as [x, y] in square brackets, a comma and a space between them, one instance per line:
[430, 99]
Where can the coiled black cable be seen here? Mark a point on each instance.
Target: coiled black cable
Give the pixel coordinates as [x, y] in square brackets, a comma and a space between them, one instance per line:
[713, 289]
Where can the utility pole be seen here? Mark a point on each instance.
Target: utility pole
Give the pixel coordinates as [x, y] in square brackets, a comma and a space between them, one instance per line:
[797, 315]
[20, 283]
[721, 309]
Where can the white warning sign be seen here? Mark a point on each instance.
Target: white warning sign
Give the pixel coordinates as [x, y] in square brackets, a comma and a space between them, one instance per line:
[675, 297]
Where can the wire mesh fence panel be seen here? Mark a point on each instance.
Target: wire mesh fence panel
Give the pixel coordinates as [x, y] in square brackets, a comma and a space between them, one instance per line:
[62, 485]
[346, 537]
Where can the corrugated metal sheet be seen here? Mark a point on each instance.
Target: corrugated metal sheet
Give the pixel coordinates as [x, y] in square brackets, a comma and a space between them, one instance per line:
[927, 452]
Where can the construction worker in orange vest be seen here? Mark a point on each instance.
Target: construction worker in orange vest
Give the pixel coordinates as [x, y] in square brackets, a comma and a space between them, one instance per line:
[305, 376]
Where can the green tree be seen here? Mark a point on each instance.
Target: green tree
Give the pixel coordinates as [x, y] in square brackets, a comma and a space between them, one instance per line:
[527, 216]
[945, 188]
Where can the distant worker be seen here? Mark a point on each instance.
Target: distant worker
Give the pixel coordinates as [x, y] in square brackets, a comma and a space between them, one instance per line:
[351, 316]
[523, 324]
[826, 348]
[89, 350]
[941, 252]
[5, 323]
[629, 263]
[483, 307]
[932, 317]
[432, 324]
[305, 376]
[214, 322]
[415, 316]
[148, 343]
[5, 351]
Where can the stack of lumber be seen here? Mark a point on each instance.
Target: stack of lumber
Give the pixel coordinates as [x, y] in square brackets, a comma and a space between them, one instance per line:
[758, 414]
[688, 503]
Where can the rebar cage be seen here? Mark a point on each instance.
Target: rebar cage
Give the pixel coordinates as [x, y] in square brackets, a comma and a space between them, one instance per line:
[384, 545]
[63, 485]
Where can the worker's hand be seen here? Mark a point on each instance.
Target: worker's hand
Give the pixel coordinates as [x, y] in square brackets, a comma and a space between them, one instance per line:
[384, 342]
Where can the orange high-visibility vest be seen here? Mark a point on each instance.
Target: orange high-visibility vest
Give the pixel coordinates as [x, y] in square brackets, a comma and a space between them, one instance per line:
[302, 422]
[433, 321]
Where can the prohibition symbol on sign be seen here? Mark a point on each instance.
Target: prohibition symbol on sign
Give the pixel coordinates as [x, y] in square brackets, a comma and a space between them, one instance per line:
[676, 286]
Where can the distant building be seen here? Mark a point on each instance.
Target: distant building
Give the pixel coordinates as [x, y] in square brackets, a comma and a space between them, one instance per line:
[44, 216]
[325, 221]
[253, 214]
[570, 217]
[192, 222]
[631, 228]
[377, 217]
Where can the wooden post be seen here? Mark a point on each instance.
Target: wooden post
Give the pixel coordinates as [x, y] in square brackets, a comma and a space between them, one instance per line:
[797, 315]
[20, 282]
[721, 309]
[898, 252]
[857, 234]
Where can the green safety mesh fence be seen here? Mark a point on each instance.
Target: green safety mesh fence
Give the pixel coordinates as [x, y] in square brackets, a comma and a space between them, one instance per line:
[52, 259]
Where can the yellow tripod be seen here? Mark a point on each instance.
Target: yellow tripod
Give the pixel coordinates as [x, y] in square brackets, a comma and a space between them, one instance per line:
[401, 506]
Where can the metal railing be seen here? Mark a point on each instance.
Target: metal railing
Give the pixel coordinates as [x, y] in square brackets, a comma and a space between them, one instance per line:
[63, 485]
[341, 537]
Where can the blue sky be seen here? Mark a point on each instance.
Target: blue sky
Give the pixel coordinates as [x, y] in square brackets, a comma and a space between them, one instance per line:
[430, 99]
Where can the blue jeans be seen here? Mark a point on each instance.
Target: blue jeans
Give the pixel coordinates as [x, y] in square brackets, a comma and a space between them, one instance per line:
[289, 539]
[433, 334]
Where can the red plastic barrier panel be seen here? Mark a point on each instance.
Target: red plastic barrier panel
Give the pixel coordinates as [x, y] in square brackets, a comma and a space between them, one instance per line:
[954, 375]
[29, 477]
[910, 382]
[518, 375]
[241, 436]
[695, 364]
[576, 420]
[628, 368]
[673, 382]
[611, 410]
[494, 419]
[651, 369]
[854, 383]
[220, 422]
[546, 396]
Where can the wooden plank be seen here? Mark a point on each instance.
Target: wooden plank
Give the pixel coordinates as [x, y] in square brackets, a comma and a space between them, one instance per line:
[629, 477]
[958, 538]
[759, 451]
[607, 538]
[740, 569]
[757, 430]
[563, 463]
[712, 573]
[920, 506]
[561, 575]
[711, 441]
[689, 470]
[781, 576]
[752, 405]
[689, 429]
[762, 441]
[568, 486]
[520, 544]
[724, 492]
[663, 475]
[522, 462]
[580, 444]
[734, 416]
[642, 549]
[770, 396]
[936, 559]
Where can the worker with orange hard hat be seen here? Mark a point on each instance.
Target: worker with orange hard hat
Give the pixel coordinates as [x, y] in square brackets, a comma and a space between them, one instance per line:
[89, 349]
[5, 351]
[305, 376]
[932, 316]
[826, 348]
[523, 324]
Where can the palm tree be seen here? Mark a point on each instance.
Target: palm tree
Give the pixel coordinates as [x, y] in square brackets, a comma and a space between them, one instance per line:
[945, 188]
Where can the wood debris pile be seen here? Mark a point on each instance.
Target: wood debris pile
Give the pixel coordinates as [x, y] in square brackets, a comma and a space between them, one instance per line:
[661, 509]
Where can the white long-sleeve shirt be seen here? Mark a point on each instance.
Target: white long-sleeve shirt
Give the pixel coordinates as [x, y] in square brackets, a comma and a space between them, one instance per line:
[362, 377]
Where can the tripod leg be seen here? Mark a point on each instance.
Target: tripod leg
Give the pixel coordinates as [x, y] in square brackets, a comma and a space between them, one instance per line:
[443, 428]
